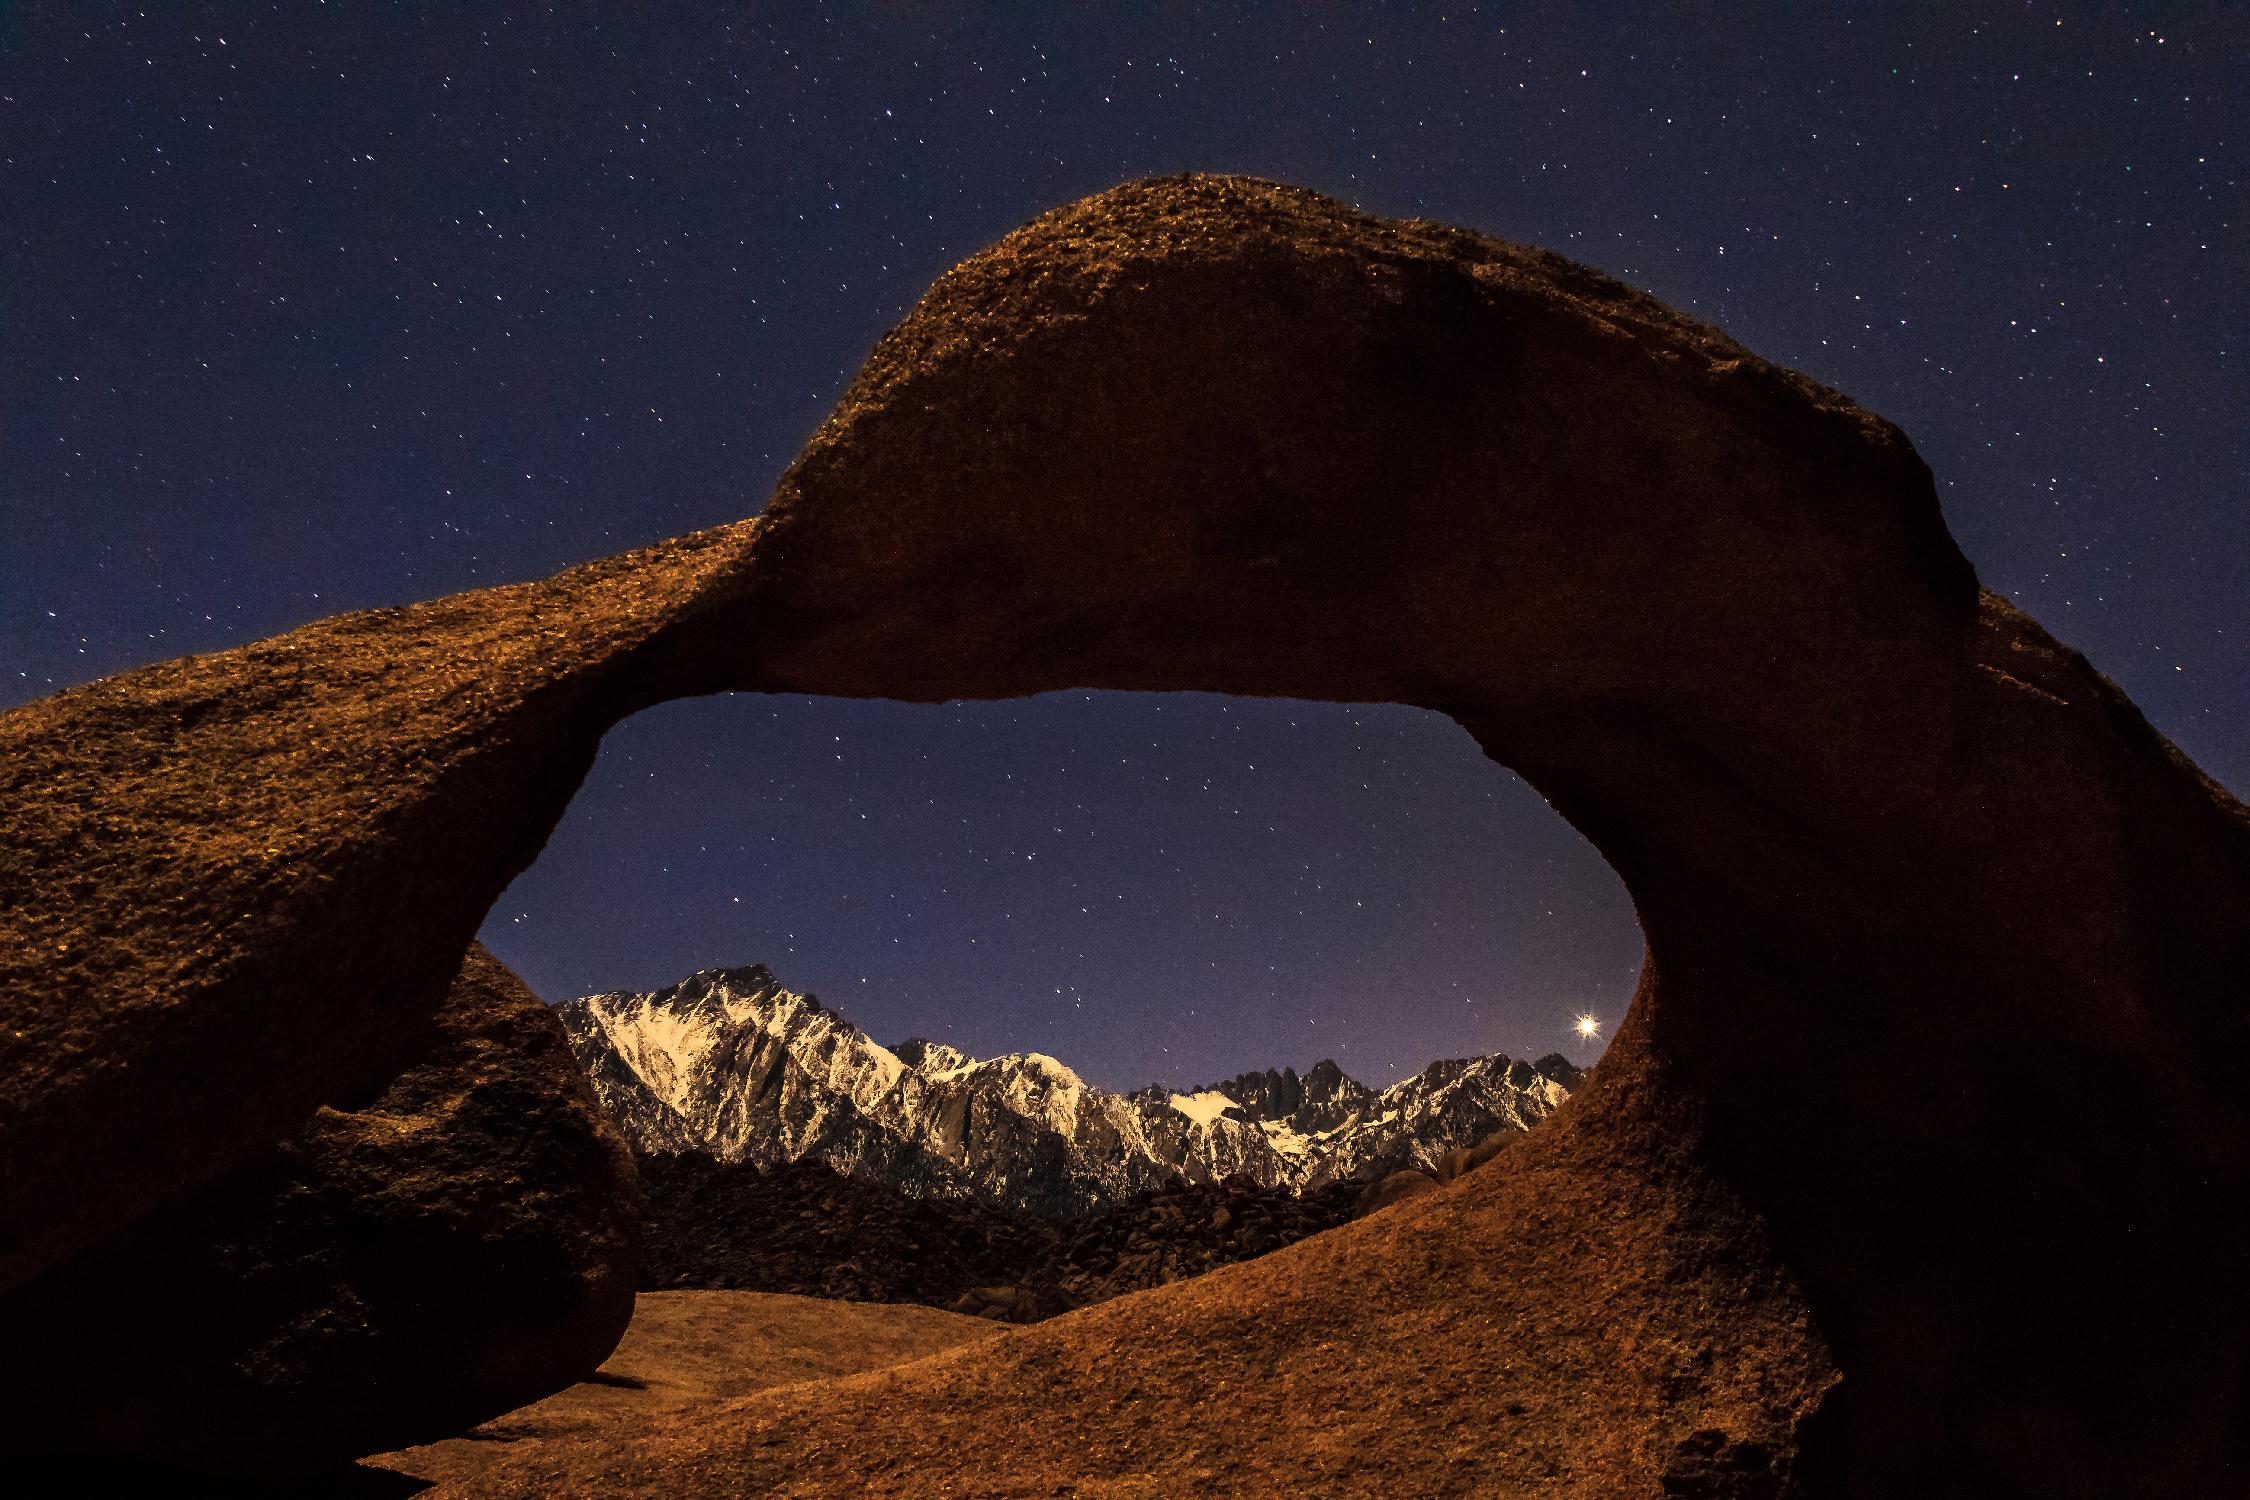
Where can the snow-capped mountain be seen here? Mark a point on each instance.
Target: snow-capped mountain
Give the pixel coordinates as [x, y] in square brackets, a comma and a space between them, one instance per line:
[729, 1062]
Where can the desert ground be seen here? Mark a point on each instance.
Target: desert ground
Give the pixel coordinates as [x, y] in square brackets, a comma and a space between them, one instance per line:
[690, 1352]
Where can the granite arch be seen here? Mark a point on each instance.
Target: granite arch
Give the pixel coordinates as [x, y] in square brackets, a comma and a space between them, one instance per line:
[1908, 868]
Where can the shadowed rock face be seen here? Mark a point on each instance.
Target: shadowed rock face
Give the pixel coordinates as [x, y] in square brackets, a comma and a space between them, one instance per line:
[393, 1274]
[1909, 870]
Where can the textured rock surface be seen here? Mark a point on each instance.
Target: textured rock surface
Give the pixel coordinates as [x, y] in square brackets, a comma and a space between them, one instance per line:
[235, 887]
[1909, 870]
[461, 1245]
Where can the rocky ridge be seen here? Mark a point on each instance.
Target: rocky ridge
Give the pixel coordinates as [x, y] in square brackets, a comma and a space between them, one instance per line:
[730, 1062]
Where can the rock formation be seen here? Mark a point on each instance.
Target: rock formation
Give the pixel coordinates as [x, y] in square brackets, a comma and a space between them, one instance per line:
[461, 1244]
[1909, 871]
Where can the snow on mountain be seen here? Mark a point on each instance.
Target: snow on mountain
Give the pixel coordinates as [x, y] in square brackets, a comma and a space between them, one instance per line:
[730, 1062]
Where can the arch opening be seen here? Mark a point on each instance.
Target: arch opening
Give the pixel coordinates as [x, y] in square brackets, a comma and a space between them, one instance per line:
[1154, 888]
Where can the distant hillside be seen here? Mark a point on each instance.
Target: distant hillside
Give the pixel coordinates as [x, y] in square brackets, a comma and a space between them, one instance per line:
[807, 1229]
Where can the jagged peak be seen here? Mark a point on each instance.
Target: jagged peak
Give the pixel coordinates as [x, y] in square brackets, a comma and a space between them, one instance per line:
[1446, 1070]
[1328, 1071]
[742, 976]
[734, 994]
[1053, 1067]
[1039, 1064]
[926, 1056]
[1283, 1090]
[1560, 1069]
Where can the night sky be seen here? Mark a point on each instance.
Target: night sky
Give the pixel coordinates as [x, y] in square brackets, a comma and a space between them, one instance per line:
[309, 314]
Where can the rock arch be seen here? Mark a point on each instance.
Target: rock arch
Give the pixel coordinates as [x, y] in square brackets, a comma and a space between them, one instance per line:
[1912, 874]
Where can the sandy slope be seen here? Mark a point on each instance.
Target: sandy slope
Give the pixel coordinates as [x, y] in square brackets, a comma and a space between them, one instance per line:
[1583, 1318]
[696, 1349]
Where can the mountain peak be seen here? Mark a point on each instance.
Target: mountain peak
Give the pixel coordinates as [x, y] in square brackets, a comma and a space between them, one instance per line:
[1560, 1069]
[731, 1062]
[926, 1056]
[741, 979]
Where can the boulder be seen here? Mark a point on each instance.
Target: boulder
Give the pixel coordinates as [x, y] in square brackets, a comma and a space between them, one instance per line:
[1910, 870]
[1397, 1188]
[1491, 1146]
[459, 1246]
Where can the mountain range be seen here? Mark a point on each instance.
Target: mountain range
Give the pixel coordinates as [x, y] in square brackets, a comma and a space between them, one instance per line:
[731, 1063]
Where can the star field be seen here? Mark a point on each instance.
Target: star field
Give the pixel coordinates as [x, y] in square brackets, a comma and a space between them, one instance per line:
[307, 313]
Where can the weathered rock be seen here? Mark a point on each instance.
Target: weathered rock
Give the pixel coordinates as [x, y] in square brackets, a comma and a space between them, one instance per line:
[1397, 1188]
[1909, 870]
[1490, 1147]
[235, 887]
[458, 1247]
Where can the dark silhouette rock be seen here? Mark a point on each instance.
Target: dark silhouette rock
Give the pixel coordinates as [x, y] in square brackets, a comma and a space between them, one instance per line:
[1910, 870]
[460, 1246]
[1709, 1466]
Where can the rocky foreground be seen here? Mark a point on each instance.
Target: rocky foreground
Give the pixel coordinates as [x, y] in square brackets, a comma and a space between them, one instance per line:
[1469, 1341]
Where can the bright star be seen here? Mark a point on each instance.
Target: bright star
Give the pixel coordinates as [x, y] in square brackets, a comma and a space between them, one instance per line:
[1587, 1026]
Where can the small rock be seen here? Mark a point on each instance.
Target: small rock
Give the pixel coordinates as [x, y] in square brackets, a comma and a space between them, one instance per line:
[1491, 1146]
[1397, 1188]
